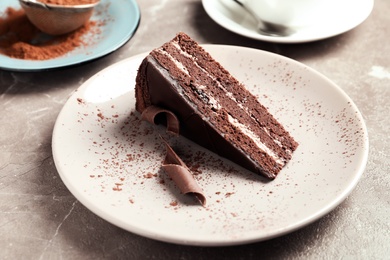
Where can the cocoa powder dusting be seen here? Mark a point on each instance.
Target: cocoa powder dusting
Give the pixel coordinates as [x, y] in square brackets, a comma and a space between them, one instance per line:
[22, 40]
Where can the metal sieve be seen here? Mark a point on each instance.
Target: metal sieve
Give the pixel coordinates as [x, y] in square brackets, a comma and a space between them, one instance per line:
[57, 19]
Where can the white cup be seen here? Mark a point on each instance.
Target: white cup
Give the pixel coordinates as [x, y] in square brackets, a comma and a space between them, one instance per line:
[292, 13]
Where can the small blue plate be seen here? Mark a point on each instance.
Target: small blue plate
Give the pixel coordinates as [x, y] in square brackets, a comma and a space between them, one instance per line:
[118, 21]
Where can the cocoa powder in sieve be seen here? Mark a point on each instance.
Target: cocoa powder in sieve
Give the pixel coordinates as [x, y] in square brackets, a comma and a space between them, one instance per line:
[20, 39]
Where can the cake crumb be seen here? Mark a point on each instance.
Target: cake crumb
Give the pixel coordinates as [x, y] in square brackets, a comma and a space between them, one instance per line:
[150, 175]
[174, 203]
[228, 194]
[117, 187]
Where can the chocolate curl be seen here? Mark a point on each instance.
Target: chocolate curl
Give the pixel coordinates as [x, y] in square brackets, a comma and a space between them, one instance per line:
[181, 175]
[173, 165]
[151, 112]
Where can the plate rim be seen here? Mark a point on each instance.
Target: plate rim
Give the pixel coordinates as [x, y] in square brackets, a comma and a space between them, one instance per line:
[207, 6]
[166, 238]
[27, 66]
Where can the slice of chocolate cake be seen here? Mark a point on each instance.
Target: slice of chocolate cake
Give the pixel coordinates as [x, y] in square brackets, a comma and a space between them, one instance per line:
[214, 109]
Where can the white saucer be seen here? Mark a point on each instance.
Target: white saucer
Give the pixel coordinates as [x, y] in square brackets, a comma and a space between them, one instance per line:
[348, 15]
[111, 161]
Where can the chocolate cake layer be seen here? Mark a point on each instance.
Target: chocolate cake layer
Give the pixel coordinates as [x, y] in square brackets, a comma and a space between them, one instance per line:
[214, 109]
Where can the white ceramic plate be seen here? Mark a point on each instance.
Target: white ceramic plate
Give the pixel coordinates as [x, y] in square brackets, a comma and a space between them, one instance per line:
[110, 160]
[347, 15]
[121, 19]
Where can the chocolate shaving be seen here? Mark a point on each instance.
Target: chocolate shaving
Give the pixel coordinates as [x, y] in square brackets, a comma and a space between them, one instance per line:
[151, 112]
[173, 165]
[181, 175]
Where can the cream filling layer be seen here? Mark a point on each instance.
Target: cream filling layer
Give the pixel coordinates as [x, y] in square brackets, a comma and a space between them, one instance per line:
[178, 64]
[255, 139]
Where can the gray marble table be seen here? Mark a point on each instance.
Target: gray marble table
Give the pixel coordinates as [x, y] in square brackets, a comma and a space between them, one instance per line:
[41, 219]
